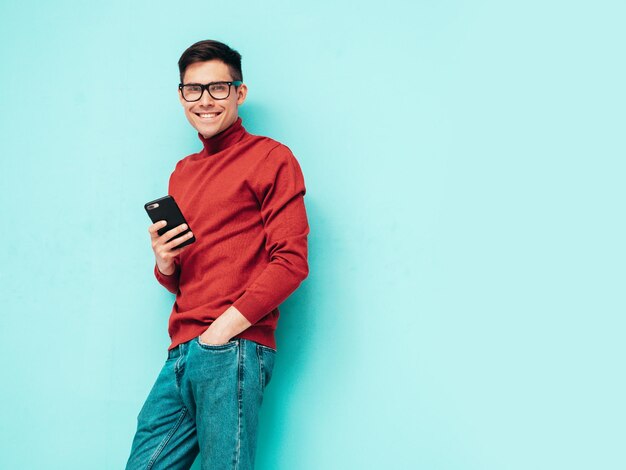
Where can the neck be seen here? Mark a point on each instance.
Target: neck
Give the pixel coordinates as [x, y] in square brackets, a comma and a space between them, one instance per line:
[229, 136]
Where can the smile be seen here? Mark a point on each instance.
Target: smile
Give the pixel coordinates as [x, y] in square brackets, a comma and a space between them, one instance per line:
[207, 115]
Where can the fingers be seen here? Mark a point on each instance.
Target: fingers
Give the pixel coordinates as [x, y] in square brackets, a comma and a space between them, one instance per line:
[175, 231]
[153, 229]
[175, 253]
[163, 244]
[177, 241]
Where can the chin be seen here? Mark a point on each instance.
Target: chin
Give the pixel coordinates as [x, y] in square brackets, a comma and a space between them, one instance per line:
[208, 133]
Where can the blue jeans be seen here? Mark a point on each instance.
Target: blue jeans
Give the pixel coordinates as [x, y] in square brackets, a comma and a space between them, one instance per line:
[206, 399]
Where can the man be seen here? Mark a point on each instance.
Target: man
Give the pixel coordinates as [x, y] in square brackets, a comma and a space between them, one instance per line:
[243, 197]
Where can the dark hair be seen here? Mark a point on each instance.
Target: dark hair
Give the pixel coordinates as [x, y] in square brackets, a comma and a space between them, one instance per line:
[211, 50]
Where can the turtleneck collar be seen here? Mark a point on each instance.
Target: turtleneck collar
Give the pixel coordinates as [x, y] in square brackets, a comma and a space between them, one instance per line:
[229, 136]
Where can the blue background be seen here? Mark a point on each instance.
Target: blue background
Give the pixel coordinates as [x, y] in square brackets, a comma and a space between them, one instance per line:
[464, 164]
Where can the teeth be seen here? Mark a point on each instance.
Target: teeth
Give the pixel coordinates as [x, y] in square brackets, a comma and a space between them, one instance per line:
[208, 115]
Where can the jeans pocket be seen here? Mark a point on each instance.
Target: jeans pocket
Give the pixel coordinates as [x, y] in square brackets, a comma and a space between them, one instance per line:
[217, 347]
[266, 356]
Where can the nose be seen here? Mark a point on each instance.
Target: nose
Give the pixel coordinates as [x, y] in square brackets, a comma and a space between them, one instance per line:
[206, 98]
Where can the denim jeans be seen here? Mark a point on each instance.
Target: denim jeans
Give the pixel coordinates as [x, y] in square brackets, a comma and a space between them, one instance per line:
[206, 399]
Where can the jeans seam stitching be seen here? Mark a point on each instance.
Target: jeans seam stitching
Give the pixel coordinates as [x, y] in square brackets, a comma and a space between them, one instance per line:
[178, 370]
[259, 352]
[240, 379]
[267, 347]
[217, 347]
[167, 438]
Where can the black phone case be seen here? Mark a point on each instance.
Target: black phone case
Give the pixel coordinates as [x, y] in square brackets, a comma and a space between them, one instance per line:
[165, 208]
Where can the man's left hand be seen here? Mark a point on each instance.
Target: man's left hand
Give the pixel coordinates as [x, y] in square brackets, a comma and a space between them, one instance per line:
[226, 326]
[211, 338]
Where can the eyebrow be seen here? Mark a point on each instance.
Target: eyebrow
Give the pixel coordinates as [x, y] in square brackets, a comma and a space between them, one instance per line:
[216, 81]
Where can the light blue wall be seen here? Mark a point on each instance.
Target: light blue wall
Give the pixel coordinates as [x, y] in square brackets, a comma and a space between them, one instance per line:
[464, 164]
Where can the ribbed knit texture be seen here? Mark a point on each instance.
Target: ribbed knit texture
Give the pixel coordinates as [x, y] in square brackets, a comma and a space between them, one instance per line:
[243, 197]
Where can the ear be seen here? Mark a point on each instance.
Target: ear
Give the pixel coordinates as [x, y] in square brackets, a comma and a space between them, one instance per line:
[180, 97]
[242, 92]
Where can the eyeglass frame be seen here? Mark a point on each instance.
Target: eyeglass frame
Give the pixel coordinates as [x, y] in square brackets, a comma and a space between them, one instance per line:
[206, 87]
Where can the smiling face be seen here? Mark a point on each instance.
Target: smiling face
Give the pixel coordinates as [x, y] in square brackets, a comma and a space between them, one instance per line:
[207, 115]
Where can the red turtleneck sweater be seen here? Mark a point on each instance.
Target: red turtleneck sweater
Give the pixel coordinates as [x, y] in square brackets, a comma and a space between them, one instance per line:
[243, 198]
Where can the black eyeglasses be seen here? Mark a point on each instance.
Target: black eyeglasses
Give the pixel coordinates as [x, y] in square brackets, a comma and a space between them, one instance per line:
[217, 90]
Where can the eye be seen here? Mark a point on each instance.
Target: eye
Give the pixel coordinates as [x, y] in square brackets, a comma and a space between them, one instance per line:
[193, 88]
[219, 87]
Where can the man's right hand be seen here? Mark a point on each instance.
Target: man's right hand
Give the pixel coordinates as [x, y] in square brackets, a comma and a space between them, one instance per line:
[164, 245]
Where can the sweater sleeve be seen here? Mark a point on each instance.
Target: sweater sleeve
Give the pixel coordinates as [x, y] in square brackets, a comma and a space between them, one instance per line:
[169, 282]
[280, 190]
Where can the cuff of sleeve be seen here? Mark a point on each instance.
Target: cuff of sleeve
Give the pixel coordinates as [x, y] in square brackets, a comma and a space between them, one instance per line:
[250, 309]
[166, 276]
[170, 282]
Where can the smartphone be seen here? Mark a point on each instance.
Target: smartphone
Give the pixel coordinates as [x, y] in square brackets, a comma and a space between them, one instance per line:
[165, 208]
